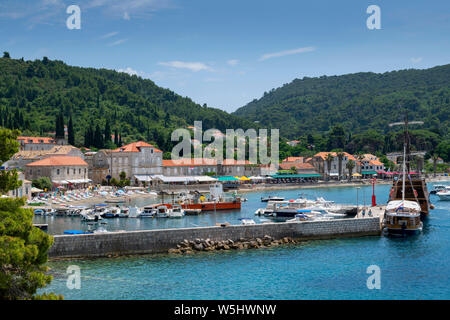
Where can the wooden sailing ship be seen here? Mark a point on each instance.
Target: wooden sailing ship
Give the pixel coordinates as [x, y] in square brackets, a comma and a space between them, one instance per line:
[415, 187]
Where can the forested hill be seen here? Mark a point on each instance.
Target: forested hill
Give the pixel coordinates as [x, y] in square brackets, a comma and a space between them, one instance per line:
[33, 93]
[358, 102]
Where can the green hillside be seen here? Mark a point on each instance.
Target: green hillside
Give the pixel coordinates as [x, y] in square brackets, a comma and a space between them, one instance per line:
[34, 93]
[358, 102]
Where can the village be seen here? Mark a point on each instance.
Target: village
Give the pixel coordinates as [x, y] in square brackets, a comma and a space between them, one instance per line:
[141, 166]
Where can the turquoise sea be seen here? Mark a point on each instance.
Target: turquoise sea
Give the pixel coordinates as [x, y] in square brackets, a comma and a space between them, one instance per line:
[411, 268]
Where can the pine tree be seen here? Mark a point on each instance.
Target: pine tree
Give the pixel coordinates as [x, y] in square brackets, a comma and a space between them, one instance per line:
[107, 140]
[71, 135]
[116, 137]
[98, 137]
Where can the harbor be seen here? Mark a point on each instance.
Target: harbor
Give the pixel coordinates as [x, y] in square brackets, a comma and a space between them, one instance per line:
[305, 264]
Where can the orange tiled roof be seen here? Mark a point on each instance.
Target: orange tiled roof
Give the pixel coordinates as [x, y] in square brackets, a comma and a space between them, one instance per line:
[135, 147]
[294, 159]
[376, 162]
[36, 139]
[297, 165]
[189, 162]
[323, 155]
[203, 162]
[232, 162]
[58, 161]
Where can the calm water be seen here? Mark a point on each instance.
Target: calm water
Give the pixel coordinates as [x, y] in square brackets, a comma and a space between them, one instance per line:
[411, 268]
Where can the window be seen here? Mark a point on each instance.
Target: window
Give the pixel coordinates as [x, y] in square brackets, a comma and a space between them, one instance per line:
[68, 170]
[79, 171]
[57, 171]
[74, 171]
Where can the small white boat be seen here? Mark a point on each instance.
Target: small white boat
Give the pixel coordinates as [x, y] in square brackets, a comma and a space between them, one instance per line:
[437, 188]
[124, 212]
[271, 198]
[444, 195]
[162, 212]
[147, 212]
[175, 212]
[247, 221]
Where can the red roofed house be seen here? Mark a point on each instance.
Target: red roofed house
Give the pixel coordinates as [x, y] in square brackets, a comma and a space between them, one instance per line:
[200, 166]
[139, 160]
[35, 143]
[371, 166]
[321, 165]
[294, 159]
[62, 170]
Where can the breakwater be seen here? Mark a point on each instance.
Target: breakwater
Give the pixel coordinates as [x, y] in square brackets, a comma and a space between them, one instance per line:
[161, 240]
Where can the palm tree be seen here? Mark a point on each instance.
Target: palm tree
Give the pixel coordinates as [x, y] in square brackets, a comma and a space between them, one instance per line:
[340, 155]
[350, 165]
[329, 159]
[435, 158]
[360, 156]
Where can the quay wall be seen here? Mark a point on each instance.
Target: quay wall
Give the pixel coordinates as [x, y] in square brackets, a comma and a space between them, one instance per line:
[159, 241]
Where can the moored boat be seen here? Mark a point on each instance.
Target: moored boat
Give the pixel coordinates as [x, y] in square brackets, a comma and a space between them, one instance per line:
[402, 217]
[444, 195]
[271, 198]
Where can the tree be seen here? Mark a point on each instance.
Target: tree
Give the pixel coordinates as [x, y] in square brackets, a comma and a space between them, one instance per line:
[23, 248]
[350, 166]
[98, 137]
[340, 155]
[59, 126]
[6, 55]
[70, 133]
[122, 175]
[435, 158]
[360, 156]
[42, 183]
[107, 140]
[8, 146]
[329, 159]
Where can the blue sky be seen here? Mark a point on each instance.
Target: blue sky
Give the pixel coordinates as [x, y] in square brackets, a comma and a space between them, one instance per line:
[227, 53]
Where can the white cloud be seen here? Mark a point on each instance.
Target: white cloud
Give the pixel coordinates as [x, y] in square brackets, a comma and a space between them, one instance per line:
[126, 8]
[109, 35]
[416, 60]
[193, 66]
[286, 53]
[232, 62]
[116, 43]
[133, 72]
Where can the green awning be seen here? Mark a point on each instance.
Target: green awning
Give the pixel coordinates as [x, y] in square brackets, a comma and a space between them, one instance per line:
[368, 172]
[226, 178]
[296, 176]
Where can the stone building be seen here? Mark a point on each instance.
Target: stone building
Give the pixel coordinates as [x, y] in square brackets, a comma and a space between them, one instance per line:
[321, 165]
[36, 143]
[62, 171]
[20, 159]
[135, 159]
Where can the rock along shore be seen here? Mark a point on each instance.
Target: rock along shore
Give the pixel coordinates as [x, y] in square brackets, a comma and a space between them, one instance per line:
[198, 245]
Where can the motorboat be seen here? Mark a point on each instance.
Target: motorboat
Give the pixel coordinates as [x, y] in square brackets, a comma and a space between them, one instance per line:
[247, 221]
[111, 213]
[271, 198]
[437, 188]
[299, 217]
[444, 195]
[38, 212]
[162, 212]
[147, 212]
[124, 212]
[134, 212]
[175, 212]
